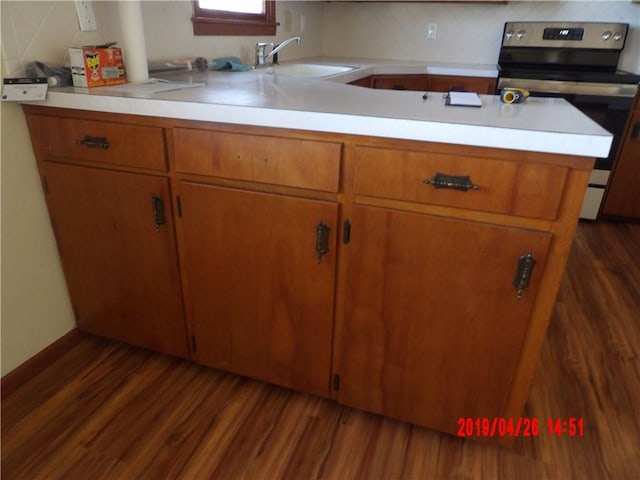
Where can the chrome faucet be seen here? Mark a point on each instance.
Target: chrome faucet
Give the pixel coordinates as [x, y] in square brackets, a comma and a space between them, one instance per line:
[261, 55]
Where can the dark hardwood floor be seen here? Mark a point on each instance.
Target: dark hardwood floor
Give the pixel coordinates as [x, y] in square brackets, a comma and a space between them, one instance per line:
[107, 410]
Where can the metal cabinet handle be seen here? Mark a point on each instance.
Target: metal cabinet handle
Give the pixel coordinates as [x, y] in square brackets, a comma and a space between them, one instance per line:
[635, 131]
[523, 274]
[454, 182]
[94, 142]
[158, 211]
[322, 239]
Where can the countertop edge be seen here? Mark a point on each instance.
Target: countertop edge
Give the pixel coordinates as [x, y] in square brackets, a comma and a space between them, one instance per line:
[408, 129]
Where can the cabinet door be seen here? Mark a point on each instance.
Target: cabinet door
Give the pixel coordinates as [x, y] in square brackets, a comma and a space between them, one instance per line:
[623, 192]
[121, 270]
[363, 82]
[433, 329]
[446, 83]
[401, 82]
[258, 298]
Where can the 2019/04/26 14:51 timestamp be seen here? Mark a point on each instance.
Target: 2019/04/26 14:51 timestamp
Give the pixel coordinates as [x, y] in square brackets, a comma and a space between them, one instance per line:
[519, 427]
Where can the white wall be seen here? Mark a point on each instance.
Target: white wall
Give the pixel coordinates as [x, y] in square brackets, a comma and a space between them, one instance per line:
[35, 306]
[467, 33]
[178, 41]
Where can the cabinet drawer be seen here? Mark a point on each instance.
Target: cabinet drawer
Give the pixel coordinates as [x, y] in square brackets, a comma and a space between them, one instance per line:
[510, 187]
[401, 82]
[280, 161]
[100, 142]
[445, 83]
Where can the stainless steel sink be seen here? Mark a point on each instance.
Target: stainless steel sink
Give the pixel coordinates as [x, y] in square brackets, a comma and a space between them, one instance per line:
[314, 70]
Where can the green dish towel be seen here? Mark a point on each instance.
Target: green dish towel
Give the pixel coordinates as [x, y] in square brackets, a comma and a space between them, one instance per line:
[233, 64]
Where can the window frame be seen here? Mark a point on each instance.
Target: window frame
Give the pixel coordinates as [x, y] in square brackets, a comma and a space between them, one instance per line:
[220, 22]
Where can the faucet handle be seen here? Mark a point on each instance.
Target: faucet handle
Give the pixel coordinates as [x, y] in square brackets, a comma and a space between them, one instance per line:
[260, 51]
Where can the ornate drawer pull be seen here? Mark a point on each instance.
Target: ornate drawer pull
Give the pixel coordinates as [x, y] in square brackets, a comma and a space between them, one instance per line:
[94, 142]
[158, 211]
[322, 239]
[524, 270]
[454, 182]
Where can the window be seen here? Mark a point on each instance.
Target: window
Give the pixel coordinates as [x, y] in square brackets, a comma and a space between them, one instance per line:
[233, 17]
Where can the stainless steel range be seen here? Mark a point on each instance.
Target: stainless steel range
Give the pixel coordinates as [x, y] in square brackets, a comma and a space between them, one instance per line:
[579, 62]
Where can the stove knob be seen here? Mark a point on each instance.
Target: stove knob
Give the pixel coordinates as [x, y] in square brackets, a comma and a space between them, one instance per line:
[606, 35]
[521, 34]
[617, 36]
[509, 34]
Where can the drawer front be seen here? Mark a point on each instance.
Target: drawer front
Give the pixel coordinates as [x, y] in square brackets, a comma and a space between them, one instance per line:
[509, 187]
[274, 160]
[401, 82]
[100, 142]
[445, 83]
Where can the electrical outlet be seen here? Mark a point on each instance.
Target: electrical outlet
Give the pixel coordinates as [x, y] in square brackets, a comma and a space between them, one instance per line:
[432, 31]
[86, 15]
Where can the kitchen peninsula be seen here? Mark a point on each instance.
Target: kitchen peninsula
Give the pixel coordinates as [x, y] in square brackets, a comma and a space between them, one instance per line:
[372, 246]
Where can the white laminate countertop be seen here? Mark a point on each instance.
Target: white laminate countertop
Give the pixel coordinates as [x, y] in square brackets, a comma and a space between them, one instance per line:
[261, 98]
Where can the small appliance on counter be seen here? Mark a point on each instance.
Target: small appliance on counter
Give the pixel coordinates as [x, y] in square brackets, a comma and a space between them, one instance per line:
[577, 61]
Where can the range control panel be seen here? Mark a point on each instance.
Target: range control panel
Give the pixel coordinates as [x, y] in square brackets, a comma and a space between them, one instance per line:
[609, 36]
[563, 33]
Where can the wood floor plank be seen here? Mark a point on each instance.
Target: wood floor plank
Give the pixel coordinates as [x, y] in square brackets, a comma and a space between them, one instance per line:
[221, 430]
[42, 386]
[170, 447]
[106, 410]
[39, 433]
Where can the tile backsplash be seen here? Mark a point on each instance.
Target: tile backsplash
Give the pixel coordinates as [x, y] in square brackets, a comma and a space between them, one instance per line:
[466, 33]
[42, 31]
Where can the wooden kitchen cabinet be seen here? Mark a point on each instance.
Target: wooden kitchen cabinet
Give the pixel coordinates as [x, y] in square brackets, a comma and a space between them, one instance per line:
[113, 227]
[119, 261]
[400, 82]
[622, 198]
[433, 328]
[433, 324]
[411, 279]
[446, 83]
[259, 295]
[425, 82]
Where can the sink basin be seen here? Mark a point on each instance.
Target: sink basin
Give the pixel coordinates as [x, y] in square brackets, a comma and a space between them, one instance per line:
[309, 69]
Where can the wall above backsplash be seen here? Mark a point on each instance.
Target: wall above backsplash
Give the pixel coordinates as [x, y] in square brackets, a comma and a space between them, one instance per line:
[466, 33]
[178, 41]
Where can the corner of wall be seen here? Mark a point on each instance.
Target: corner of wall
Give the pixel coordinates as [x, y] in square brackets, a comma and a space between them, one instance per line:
[34, 308]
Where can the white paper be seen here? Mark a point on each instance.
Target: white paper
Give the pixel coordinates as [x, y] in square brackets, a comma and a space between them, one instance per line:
[468, 99]
[24, 92]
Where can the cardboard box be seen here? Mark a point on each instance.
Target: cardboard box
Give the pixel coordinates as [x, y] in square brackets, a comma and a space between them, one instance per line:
[97, 66]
